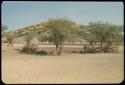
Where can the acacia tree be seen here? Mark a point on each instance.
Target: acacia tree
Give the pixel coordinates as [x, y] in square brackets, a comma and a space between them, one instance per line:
[8, 35]
[60, 30]
[28, 37]
[103, 33]
[4, 27]
[104, 30]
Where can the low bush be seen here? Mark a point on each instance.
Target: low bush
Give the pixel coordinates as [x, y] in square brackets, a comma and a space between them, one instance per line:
[74, 51]
[33, 50]
[81, 51]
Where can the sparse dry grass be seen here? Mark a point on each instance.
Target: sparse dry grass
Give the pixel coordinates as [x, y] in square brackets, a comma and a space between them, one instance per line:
[66, 68]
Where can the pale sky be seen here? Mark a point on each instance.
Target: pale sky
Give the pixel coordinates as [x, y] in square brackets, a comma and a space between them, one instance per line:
[18, 14]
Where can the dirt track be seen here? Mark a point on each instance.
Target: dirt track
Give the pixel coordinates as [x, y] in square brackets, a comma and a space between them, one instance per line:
[67, 68]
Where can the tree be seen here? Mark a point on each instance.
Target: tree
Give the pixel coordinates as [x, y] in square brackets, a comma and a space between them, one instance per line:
[60, 30]
[9, 39]
[8, 35]
[104, 33]
[28, 37]
[104, 30]
[4, 27]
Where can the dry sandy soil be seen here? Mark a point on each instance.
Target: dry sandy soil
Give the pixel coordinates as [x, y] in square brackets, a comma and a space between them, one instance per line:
[66, 68]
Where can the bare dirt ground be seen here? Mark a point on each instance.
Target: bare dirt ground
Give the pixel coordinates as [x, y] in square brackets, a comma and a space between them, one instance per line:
[66, 68]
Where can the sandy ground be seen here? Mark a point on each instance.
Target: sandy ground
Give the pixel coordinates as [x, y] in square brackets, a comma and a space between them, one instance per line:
[67, 68]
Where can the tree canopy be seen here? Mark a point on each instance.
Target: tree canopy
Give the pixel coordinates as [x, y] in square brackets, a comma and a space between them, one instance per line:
[60, 30]
[4, 27]
[103, 32]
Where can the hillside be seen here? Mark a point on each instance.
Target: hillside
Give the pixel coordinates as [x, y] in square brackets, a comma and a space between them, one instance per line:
[40, 27]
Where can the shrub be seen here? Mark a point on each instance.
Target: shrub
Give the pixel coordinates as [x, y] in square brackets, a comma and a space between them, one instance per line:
[73, 51]
[81, 51]
[33, 50]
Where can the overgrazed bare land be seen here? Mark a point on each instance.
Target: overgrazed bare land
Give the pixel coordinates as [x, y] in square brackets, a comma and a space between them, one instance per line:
[66, 68]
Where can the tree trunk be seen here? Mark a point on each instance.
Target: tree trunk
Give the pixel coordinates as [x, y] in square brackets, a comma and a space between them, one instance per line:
[28, 44]
[60, 49]
[101, 44]
[57, 47]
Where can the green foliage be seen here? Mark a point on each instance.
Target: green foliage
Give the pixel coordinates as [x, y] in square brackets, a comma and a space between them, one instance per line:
[104, 32]
[91, 38]
[28, 37]
[60, 30]
[43, 37]
[4, 27]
